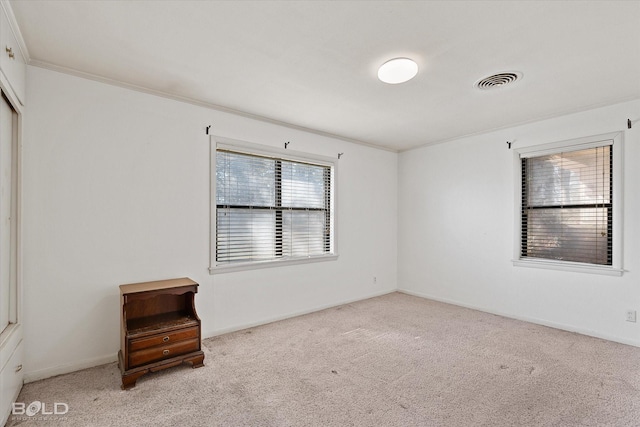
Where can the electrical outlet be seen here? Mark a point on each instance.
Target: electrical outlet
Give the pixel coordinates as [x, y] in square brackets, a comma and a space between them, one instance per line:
[375, 280]
[631, 315]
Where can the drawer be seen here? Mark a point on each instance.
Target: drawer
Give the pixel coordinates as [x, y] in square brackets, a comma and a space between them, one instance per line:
[11, 377]
[162, 339]
[154, 354]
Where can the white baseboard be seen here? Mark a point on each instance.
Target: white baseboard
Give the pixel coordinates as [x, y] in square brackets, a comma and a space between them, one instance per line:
[555, 325]
[239, 327]
[97, 361]
[69, 367]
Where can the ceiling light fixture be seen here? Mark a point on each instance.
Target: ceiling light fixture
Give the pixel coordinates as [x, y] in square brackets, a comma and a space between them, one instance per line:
[397, 70]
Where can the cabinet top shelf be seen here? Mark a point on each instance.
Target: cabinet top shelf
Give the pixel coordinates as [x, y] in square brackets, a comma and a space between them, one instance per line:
[157, 285]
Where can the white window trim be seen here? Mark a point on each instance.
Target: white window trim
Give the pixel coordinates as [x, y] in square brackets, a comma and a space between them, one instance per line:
[219, 142]
[616, 139]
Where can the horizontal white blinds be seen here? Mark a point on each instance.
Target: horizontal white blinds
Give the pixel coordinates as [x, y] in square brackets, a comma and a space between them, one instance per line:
[270, 209]
[567, 206]
[537, 151]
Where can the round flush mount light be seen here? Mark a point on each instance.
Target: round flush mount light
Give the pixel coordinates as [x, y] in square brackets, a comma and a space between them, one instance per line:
[398, 70]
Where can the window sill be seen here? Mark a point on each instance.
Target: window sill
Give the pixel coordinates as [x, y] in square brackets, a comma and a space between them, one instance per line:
[568, 266]
[230, 268]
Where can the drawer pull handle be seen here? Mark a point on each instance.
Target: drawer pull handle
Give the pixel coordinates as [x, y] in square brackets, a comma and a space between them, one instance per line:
[10, 52]
[165, 352]
[19, 368]
[165, 339]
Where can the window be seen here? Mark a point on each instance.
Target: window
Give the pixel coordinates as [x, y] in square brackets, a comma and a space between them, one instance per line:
[271, 207]
[568, 203]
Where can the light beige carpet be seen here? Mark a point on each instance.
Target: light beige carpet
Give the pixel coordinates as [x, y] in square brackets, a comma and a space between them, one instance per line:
[395, 360]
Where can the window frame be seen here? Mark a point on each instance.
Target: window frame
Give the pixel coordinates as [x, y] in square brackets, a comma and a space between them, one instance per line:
[249, 148]
[615, 139]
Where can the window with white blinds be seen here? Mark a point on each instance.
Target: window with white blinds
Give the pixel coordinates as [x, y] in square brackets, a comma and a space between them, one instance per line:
[567, 205]
[270, 209]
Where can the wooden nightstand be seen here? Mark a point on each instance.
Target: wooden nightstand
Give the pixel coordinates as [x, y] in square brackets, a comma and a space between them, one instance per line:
[159, 328]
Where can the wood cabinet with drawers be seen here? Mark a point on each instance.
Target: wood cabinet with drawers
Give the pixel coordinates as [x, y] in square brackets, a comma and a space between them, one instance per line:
[159, 328]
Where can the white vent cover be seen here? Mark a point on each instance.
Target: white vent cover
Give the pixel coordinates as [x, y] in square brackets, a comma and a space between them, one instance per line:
[498, 80]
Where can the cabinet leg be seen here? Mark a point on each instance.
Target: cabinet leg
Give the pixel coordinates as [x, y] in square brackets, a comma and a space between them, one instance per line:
[197, 361]
[129, 381]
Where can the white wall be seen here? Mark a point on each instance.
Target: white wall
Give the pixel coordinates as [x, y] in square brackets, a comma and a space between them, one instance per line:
[116, 191]
[456, 230]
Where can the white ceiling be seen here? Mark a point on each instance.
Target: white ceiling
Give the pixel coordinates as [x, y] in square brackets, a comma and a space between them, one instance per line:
[314, 64]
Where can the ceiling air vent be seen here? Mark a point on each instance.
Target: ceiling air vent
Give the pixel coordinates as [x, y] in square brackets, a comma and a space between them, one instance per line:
[498, 80]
